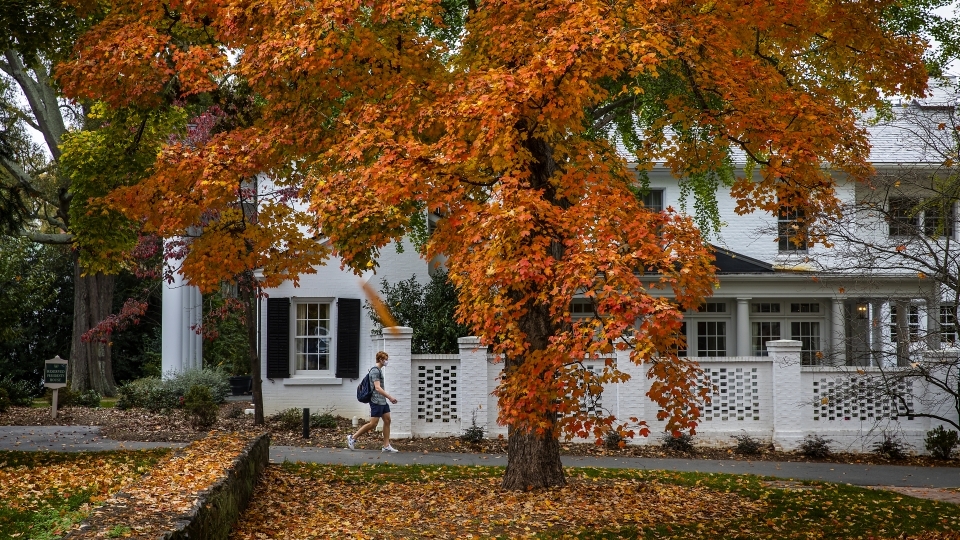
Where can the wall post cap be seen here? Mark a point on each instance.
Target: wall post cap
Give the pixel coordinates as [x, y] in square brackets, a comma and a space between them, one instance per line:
[468, 340]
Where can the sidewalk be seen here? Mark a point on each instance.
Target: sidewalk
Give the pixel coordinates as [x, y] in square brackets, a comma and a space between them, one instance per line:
[88, 438]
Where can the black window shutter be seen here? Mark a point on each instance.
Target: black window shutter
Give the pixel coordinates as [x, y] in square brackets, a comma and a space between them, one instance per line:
[348, 338]
[278, 338]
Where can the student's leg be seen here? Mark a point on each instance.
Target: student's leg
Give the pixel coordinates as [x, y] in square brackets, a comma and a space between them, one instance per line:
[372, 424]
[386, 429]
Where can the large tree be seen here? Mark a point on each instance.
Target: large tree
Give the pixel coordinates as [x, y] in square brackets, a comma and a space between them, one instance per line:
[505, 117]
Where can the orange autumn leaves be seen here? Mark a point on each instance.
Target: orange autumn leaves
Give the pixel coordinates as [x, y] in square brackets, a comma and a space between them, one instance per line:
[365, 116]
[293, 504]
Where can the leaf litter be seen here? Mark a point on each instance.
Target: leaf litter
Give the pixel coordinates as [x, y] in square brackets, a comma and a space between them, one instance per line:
[292, 503]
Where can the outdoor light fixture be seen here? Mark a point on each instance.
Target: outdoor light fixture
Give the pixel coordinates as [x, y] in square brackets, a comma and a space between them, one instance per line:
[862, 311]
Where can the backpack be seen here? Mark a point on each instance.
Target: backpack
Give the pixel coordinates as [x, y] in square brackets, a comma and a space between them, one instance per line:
[365, 389]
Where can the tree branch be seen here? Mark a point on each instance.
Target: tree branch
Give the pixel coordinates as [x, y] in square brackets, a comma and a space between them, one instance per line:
[44, 238]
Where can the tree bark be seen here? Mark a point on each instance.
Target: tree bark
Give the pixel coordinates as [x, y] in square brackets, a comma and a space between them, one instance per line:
[91, 363]
[248, 294]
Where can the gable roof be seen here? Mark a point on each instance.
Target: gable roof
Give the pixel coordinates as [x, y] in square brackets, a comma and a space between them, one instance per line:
[731, 262]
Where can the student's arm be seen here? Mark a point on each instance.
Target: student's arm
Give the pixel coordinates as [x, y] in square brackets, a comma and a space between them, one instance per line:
[380, 390]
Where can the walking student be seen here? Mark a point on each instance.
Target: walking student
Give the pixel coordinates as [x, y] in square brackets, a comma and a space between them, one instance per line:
[378, 406]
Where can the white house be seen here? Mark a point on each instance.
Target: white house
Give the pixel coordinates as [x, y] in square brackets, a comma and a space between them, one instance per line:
[789, 342]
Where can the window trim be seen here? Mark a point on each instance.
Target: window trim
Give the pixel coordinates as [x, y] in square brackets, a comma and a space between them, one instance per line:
[790, 219]
[322, 374]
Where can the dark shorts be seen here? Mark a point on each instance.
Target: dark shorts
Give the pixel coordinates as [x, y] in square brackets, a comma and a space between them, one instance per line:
[376, 411]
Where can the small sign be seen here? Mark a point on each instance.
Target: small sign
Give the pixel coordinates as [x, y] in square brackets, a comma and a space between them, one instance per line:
[55, 373]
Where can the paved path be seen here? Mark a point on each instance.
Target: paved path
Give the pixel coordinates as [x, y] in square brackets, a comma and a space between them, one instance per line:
[68, 439]
[911, 480]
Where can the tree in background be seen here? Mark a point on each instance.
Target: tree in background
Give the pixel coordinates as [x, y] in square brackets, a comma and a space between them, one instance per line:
[503, 116]
[430, 310]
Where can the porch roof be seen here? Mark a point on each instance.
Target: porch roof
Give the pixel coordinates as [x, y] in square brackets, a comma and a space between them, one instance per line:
[731, 262]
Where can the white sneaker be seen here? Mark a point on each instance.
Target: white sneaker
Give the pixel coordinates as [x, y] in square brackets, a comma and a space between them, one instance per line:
[388, 449]
[350, 441]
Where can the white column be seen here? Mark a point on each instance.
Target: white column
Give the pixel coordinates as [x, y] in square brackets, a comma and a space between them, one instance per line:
[743, 327]
[171, 354]
[788, 405]
[397, 342]
[472, 392]
[837, 343]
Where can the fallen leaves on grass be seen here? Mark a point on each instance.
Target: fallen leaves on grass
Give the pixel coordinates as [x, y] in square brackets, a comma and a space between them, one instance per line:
[289, 504]
[172, 488]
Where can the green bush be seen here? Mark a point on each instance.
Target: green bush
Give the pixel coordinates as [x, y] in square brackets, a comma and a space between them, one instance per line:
[292, 420]
[890, 447]
[217, 380]
[612, 440]
[941, 442]
[4, 400]
[20, 393]
[66, 397]
[679, 443]
[747, 445]
[155, 394]
[815, 447]
[200, 406]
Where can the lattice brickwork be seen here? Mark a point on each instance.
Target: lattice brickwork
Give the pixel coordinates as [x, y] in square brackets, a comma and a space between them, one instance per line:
[860, 398]
[734, 393]
[592, 404]
[436, 394]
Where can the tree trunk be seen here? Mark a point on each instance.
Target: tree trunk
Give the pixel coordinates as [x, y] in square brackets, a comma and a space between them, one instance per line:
[91, 364]
[248, 294]
[533, 461]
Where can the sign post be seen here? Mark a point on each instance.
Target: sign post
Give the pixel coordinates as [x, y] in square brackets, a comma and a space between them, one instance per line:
[55, 377]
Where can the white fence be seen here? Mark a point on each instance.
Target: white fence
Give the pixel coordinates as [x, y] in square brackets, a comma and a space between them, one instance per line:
[772, 398]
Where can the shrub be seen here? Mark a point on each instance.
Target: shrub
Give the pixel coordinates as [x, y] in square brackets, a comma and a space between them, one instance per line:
[20, 393]
[200, 407]
[66, 397]
[289, 419]
[149, 393]
[235, 411]
[217, 380]
[612, 440]
[747, 445]
[890, 447]
[4, 400]
[678, 443]
[815, 446]
[473, 434]
[323, 420]
[941, 442]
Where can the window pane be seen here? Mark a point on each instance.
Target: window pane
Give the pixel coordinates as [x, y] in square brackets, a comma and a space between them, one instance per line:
[653, 200]
[935, 223]
[807, 307]
[913, 323]
[791, 230]
[711, 338]
[808, 334]
[948, 325]
[902, 216]
[762, 333]
[766, 307]
[312, 340]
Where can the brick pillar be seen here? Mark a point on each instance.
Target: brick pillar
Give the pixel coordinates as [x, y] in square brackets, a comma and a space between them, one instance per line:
[788, 405]
[632, 394]
[396, 341]
[472, 393]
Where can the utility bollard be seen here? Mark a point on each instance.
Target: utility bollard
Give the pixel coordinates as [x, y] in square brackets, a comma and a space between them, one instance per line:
[306, 423]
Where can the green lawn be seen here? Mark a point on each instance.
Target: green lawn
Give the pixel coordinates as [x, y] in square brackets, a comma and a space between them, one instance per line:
[44, 493]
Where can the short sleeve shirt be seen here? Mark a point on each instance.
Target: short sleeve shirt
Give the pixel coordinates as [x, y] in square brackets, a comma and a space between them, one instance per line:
[377, 375]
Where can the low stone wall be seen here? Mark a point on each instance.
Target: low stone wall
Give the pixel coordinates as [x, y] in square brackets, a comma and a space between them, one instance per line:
[210, 517]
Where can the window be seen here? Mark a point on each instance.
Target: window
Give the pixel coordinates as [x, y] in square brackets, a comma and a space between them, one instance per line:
[312, 338]
[791, 231]
[682, 351]
[948, 325]
[805, 307]
[582, 307]
[765, 307]
[808, 334]
[935, 223]
[913, 323]
[903, 217]
[653, 200]
[711, 338]
[712, 307]
[763, 332]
